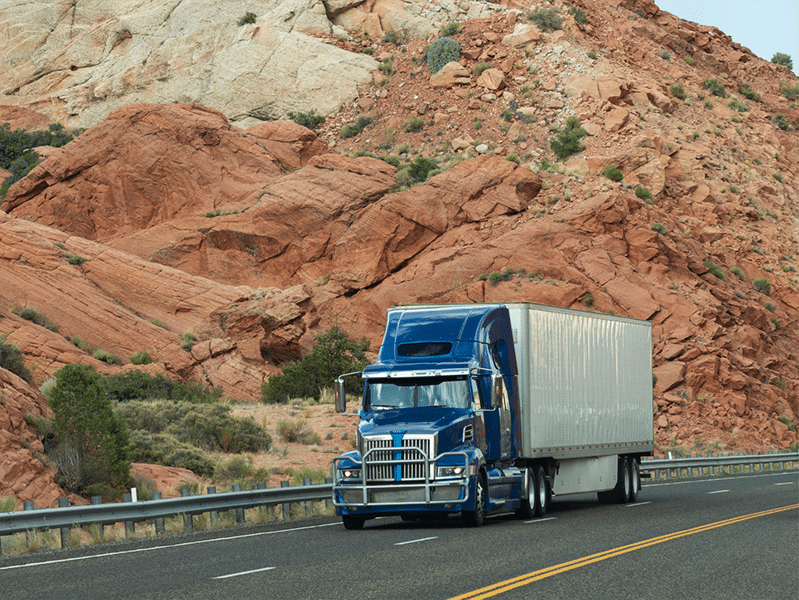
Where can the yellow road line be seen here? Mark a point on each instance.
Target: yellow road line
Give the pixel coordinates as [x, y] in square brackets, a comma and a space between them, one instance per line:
[522, 580]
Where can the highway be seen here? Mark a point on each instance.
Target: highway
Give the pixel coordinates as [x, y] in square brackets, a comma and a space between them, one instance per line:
[720, 538]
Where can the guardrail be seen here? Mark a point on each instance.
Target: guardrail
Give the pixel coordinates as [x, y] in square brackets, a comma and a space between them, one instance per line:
[66, 517]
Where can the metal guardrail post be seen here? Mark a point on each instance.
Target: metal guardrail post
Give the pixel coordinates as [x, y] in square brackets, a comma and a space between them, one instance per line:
[63, 503]
[309, 504]
[263, 507]
[328, 501]
[159, 522]
[188, 521]
[100, 527]
[27, 505]
[211, 489]
[239, 511]
[130, 526]
[286, 505]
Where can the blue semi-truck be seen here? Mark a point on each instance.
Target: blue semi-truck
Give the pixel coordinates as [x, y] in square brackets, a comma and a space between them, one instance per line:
[478, 409]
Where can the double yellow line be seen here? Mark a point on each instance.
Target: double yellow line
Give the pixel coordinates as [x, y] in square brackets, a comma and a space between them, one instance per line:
[522, 580]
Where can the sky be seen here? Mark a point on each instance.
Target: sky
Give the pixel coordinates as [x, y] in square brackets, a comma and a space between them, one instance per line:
[764, 26]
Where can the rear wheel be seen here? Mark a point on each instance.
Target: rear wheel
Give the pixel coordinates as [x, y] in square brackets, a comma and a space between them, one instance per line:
[353, 522]
[635, 480]
[543, 494]
[527, 508]
[621, 493]
[476, 517]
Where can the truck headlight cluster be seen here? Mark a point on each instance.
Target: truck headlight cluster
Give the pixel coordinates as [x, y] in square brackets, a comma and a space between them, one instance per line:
[453, 471]
[349, 473]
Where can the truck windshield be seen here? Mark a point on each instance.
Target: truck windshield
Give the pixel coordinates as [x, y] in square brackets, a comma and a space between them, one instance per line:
[408, 393]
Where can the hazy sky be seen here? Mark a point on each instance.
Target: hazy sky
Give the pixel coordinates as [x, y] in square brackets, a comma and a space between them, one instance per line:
[764, 26]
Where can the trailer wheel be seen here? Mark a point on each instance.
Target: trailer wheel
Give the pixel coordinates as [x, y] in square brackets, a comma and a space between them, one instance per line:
[352, 522]
[635, 481]
[621, 493]
[476, 517]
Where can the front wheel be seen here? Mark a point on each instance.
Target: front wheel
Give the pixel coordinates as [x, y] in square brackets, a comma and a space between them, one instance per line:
[476, 517]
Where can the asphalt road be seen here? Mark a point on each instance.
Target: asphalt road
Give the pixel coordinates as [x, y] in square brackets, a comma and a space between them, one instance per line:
[720, 538]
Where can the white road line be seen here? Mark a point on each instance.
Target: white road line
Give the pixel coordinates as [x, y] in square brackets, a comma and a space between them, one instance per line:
[427, 539]
[541, 520]
[244, 573]
[662, 482]
[718, 492]
[636, 504]
[221, 539]
[786, 483]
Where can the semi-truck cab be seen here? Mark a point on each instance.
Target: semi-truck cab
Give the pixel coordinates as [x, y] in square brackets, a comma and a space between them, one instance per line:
[448, 420]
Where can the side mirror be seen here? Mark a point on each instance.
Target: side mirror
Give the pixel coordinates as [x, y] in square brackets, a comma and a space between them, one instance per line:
[496, 390]
[341, 397]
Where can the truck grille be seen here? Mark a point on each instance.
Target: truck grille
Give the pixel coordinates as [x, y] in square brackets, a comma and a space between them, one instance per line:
[381, 463]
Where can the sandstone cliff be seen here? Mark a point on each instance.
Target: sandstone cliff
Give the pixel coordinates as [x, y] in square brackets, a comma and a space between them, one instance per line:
[258, 239]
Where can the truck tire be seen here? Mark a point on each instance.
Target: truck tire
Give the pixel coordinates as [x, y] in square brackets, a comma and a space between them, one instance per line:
[352, 522]
[527, 508]
[543, 493]
[635, 481]
[621, 493]
[476, 517]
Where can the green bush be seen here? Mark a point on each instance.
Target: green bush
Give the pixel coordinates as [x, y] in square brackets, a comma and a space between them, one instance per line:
[665, 54]
[392, 36]
[513, 157]
[450, 29]
[481, 66]
[782, 59]
[12, 359]
[247, 19]
[84, 419]
[613, 173]
[441, 52]
[141, 358]
[16, 149]
[738, 272]
[416, 172]
[494, 277]
[588, 300]
[762, 285]
[348, 131]
[579, 16]
[297, 432]
[363, 122]
[137, 385]
[333, 354]
[643, 193]
[546, 19]
[788, 91]
[75, 259]
[748, 93]
[659, 227]
[678, 91]
[414, 124]
[689, 60]
[309, 120]
[237, 468]
[769, 306]
[715, 270]
[781, 122]
[188, 339]
[106, 356]
[33, 315]
[591, 54]
[568, 141]
[165, 449]
[715, 88]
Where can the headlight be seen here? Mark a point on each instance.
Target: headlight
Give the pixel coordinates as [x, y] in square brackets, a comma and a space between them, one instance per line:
[453, 471]
[349, 473]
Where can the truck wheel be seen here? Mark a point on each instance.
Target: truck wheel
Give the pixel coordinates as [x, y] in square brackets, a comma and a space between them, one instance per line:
[476, 517]
[635, 481]
[621, 493]
[543, 494]
[352, 522]
[527, 508]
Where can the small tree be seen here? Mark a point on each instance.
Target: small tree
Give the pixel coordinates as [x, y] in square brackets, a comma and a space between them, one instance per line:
[782, 59]
[333, 355]
[568, 141]
[84, 421]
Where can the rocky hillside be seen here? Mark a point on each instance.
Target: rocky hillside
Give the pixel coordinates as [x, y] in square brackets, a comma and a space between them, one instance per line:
[164, 219]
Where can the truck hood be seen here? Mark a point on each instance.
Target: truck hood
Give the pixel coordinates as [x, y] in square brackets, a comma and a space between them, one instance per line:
[448, 423]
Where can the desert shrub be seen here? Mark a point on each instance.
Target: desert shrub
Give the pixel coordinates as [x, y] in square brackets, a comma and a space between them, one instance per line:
[481, 66]
[546, 19]
[643, 193]
[141, 358]
[75, 259]
[247, 19]
[349, 130]
[769, 306]
[165, 449]
[579, 16]
[776, 323]
[237, 468]
[450, 29]
[513, 157]
[715, 270]
[106, 356]
[137, 385]
[715, 88]
[316, 476]
[414, 124]
[8, 504]
[363, 122]
[16, 149]
[416, 172]
[84, 418]
[392, 36]
[738, 272]
[762, 285]
[613, 173]
[781, 122]
[689, 60]
[506, 115]
[748, 93]
[309, 120]
[568, 141]
[591, 54]
[665, 54]
[188, 339]
[778, 177]
[782, 59]
[588, 300]
[678, 91]
[209, 426]
[442, 51]
[12, 359]
[739, 106]
[33, 315]
[789, 91]
[333, 354]
[297, 432]
[494, 277]
[659, 227]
